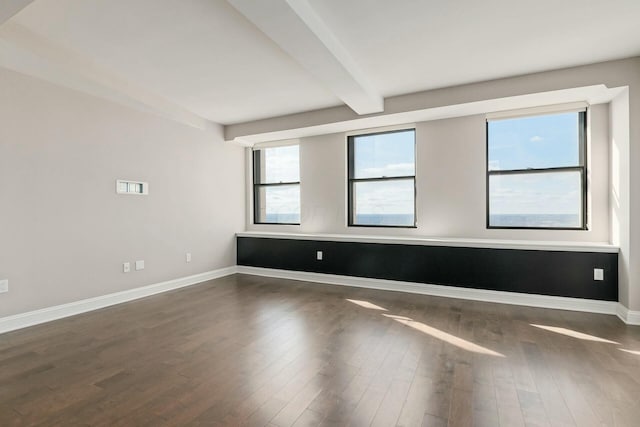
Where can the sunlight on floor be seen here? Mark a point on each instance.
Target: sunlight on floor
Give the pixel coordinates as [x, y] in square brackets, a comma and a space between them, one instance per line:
[441, 335]
[637, 353]
[366, 304]
[574, 334]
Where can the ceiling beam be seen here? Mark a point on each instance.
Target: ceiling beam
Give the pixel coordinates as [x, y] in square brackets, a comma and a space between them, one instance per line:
[28, 53]
[296, 27]
[9, 8]
[594, 83]
[595, 94]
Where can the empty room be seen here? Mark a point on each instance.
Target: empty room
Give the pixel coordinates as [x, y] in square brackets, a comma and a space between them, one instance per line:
[319, 213]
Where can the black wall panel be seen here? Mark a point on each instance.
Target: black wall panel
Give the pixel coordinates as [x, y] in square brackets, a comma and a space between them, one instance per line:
[557, 273]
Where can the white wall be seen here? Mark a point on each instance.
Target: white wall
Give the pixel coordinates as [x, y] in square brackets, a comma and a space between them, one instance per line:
[64, 233]
[622, 74]
[619, 191]
[450, 184]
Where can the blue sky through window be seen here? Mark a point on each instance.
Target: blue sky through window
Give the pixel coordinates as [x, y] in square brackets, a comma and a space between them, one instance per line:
[281, 164]
[535, 199]
[384, 155]
[281, 204]
[534, 142]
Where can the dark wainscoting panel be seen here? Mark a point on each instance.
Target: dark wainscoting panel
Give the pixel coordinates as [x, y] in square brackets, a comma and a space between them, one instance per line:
[557, 273]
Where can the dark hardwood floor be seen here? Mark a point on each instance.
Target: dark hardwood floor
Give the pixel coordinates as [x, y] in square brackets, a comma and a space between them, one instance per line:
[247, 350]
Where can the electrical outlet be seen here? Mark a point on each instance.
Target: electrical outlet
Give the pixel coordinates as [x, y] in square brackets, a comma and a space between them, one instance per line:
[126, 267]
[598, 274]
[188, 257]
[139, 265]
[319, 255]
[4, 286]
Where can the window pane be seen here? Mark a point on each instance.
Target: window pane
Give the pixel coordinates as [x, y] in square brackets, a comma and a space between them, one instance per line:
[536, 200]
[534, 142]
[280, 164]
[384, 155]
[279, 204]
[384, 202]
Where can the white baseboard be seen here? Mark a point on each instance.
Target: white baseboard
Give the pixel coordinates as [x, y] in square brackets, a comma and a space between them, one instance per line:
[531, 300]
[630, 317]
[48, 314]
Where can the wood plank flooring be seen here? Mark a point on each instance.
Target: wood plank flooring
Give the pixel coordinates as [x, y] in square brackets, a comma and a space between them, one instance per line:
[247, 350]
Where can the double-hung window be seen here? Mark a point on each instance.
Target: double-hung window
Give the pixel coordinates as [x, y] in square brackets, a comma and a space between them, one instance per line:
[382, 179]
[536, 171]
[276, 185]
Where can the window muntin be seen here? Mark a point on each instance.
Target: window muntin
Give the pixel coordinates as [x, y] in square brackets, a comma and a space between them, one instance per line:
[276, 185]
[381, 184]
[536, 173]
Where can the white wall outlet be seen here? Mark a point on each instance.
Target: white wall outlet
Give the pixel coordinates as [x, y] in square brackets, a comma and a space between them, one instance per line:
[126, 267]
[319, 255]
[188, 257]
[139, 265]
[4, 286]
[598, 274]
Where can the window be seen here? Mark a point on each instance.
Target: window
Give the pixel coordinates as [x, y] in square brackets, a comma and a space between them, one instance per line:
[536, 173]
[276, 185]
[382, 179]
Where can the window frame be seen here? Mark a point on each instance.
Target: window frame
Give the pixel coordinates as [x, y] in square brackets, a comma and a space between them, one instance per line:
[257, 185]
[351, 181]
[582, 168]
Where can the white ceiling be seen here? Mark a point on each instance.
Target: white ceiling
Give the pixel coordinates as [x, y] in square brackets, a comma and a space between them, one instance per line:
[412, 45]
[207, 58]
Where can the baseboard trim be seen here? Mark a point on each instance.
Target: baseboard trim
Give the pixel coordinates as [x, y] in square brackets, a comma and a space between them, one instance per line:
[36, 317]
[513, 298]
[630, 317]
[31, 318]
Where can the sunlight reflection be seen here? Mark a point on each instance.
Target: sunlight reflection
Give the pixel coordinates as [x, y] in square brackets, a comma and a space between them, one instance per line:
[366, 304]
[441, 335]
[574, 334]
[637, 353]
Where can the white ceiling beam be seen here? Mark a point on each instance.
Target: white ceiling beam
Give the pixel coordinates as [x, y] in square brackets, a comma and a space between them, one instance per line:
[594, 94]
[404, 109]
[28, 53]
[9, 8]
[296, 27]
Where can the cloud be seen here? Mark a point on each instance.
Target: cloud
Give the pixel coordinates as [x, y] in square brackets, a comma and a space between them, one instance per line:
[536, 138]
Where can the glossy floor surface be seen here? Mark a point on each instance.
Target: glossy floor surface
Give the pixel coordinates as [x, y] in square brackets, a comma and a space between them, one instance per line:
[247, 350]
